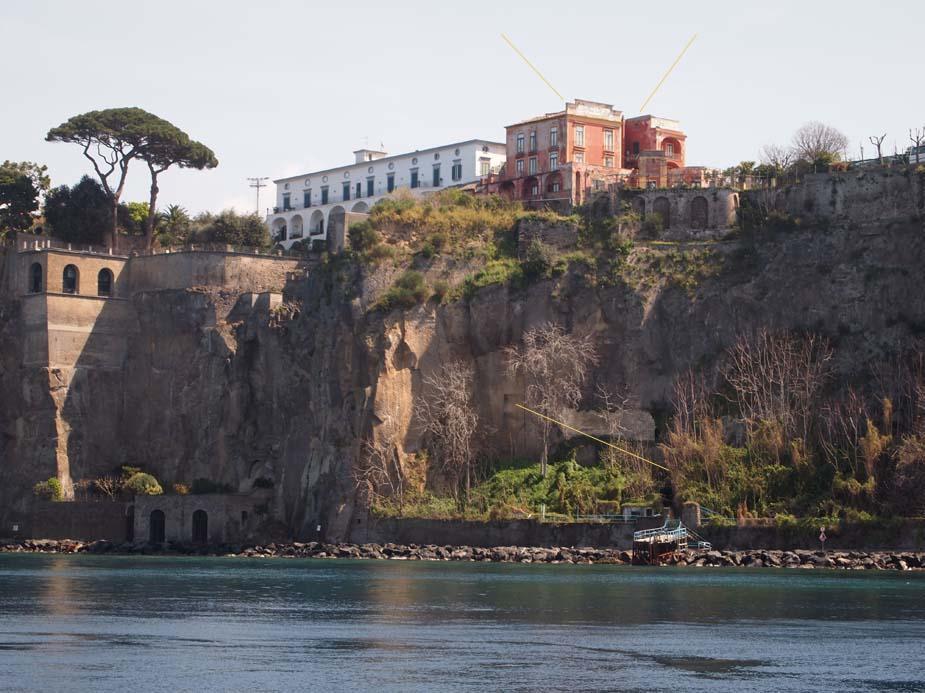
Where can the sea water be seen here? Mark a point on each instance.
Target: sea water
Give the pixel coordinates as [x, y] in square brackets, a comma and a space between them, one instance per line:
[163, 623]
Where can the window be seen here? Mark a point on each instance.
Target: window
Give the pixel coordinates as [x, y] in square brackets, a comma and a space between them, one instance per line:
[555, 186]
[520, 143]
[287, 203]
[608, 161]
[390, 182]
[307, 198]
[35, 278]
[370, 187]
[104, 282]
[579, 135]
[345, 194]
[579, 157]
[520, 167]
[669, 148]
[359, 190]
[324, 194]
[533, 141]
[414, 179]
[554, 161]
[456, 171]
[70, 280]
[535, 190]
[608, 140]
[532, 165]
[554, 137]
[636, 148]
[436, 177]
[484, 167]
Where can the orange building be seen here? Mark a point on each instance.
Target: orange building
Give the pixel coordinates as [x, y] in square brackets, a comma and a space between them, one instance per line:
[560, 157]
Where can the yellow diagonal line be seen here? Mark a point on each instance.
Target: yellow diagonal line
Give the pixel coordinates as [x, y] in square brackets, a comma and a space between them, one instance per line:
[665, 76]
[532, 67]
[588, 435]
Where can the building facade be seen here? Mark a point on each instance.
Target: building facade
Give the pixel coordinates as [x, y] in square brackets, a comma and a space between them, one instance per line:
[318, 205]
[559, 158]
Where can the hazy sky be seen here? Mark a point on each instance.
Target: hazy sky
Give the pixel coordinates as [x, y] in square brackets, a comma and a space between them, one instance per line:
[280, 88]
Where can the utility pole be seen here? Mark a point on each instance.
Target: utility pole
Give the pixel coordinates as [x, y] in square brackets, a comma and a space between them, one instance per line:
[258, 183]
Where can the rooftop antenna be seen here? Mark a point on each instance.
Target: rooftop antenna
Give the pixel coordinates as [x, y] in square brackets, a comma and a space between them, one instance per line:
[533, 67]
[258, 183]
[665, 76]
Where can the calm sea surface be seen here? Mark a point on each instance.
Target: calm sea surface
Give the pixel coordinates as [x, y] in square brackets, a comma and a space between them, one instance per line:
[154, 623]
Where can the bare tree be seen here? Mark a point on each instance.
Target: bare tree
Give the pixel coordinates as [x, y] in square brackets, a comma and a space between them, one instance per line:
[878, 143]
[917, 137]
[555, 366]
[450, 422]
[636, 472]
[378, 473]
[776, 378]
[777, 157]
[109, 486]
[817, 142]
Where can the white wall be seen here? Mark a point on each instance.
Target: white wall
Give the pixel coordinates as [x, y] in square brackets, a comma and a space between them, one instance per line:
[469, 155]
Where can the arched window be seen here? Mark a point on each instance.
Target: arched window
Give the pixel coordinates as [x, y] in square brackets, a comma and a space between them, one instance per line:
[71, 280]
[200, 527]
[35, 278]
[156, 527]
[104, 282]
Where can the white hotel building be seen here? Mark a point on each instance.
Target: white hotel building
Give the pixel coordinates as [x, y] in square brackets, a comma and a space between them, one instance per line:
[315, 206]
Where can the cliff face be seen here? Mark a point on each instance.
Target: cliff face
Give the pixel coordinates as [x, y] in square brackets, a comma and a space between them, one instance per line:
[216, 386]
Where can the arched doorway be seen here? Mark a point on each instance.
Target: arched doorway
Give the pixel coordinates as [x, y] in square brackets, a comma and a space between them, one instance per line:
[35, 278]
[316, 223]
[700, 213]
[507, 190]
[200, 527]
[130, 523]
[672, 148]
[662, 207]
[70, 280]
[554, 184]
[104, 282]
[156, 523]
[279, 229]
[531, 188]
[295, 226]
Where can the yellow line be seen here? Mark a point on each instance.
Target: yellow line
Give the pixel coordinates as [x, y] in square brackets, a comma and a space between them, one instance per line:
[588, 435]
[532, 66]
[665, 76]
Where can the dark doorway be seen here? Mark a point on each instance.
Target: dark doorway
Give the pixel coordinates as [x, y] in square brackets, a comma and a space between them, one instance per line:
[130, 523]
[156, 527]
[200, 527]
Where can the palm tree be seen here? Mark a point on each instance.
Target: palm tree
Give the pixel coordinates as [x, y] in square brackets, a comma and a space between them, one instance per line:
[174, 224]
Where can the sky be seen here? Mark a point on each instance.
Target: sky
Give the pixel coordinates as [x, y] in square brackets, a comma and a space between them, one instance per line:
[282, 88]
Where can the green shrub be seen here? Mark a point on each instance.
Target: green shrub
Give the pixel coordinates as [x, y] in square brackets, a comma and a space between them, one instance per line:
[409, 290]
[49, 489]
[441, 289]
[142, 484]
[537, 261]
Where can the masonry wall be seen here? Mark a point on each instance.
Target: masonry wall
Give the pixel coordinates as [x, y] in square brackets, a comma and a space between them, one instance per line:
[683, 221]
[81, 520]
[231, 271]
[230, 517]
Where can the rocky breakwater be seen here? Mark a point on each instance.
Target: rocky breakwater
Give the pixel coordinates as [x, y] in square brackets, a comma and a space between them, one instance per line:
[845, 560]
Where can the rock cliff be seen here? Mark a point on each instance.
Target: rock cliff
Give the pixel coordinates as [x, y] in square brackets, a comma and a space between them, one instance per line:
[216, 386]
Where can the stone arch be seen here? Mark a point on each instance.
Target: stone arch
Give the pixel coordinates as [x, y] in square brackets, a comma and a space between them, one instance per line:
[699, 213]
[200, 527]
[295, 226]
[35, 278]
[70, 280]
[532, 188]
[674, 145]
[507, 190]
[316, 223]
[104, 282]
[639, 206]
[360, 208]
[662, 207]
[279, 229]
[157, 527]
[554, 183]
